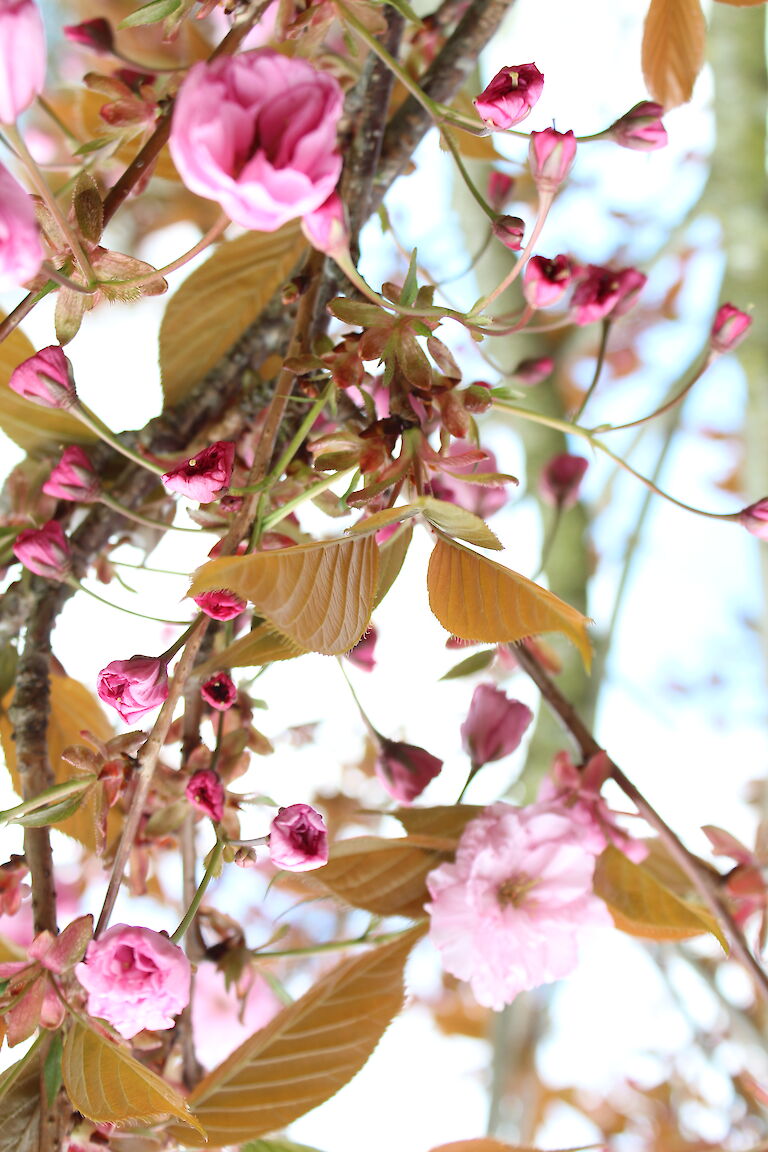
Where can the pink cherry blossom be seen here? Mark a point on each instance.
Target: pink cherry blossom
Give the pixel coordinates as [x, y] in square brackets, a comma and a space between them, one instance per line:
[510, 96]
[45, 378]
[44, 551]
[578, 790]
[546, 281]
[561, 478]
[256, 133]
[74, 477]
[220, 604]
[134, 687]
[729, 328]
[22, 57]
[219, 691]
[640, 128]
[135, 979]
[206, 792]
[605, 292]
[550, 156]
[12, 888]
[298, 839]
[533, 372]
[508, 913]
[21, 252]
[326, 227]
[494, 726]
[404, 770]
[204, 475]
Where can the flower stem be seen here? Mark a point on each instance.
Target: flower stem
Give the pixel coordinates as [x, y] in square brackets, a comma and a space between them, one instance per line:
[91, 420]
[213, 864]
[606, 327]
[74, 583]
[407, 81]
[545, 203]
[471, 186]
[664, 407]
[108, 502]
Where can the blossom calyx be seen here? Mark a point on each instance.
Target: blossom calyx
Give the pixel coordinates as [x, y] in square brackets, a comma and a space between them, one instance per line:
[45, 379]
[640, 128]
[133, 687]
[298, 839]
[551, 155]
[510, 96]
[44, 551]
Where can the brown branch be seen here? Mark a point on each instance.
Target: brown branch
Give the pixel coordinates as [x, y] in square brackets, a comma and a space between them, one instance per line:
[701, 878]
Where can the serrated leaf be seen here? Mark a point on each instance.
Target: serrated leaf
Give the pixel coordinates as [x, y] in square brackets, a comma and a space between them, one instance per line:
[477, 662]
[306, 1053]
[73, 710]
[358, 313]
[106, 1083]
[478, 599]
[259, 647]
[642, 906]
[458, 523]
[319, 595]
[384, 519]
[674, 43]
[221, 298]
[392, 555]
[20, 1104]
[30, 425]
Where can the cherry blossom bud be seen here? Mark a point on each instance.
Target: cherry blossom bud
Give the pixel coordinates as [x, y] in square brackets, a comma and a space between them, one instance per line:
[510, 230]
[606, 292]
[532, 372]
[755, 518]
[219, 691]
[74, 478]
[298, 839]
[205, 475]
[561, 478]
[477, 397]
[326, 227]
[550, 156]
[546, 281]
[22, 57]
[205, 792]
[94, 34]
[45, 379]
[362, 655]
[510, 96]
[640, 128]
[500, 188]
[494, 726]
[44, 551]
[404, 770]
[133, 687]
[220, 604]
[12, 890]
[729, 328]
[21, 252]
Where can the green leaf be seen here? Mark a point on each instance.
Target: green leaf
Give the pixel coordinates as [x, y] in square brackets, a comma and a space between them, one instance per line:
[151, 13]
[20, 1103]
[458, 523]
[410, 285]
[275, 1145]
[52, 1068]
[477, 662]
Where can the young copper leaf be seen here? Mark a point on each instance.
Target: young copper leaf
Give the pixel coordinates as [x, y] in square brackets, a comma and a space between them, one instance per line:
[275, 1145]
[319, 595]
[674, 42]
[642, 906]
[20, 1114]
[261, 646]
[441, 820]
[459, 523]
[478, 599]
[307, 1053]
[106, 1083]
[392, 555]
[386, 877]
[73, 710]
[384, 518]
[30, 425]
[219, 301]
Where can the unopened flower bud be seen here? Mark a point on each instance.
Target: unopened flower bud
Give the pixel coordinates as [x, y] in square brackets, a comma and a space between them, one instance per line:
[755, 518]
[94, 34]
[404, 770]
[326, 228]
[550, 156]
[500, 188]
[22, 57]
[729, 328]
[546, 281]
[640, 128]
[74, 478]
[494, 726]
[205, 792]
[532, 372]
[133, 687]
[219, 691]
[220, 604]
[510, 230]
[44, 551]
[298, 839]
[510, 96]
[45, 379]
[561, 478]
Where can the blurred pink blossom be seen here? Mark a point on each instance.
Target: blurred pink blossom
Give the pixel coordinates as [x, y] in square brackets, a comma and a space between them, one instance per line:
[326, 227]
[44, 551]
[755, 518]
[729, 328]
[22, 57]
[45, 378]
[404, 770]
[546, 281]
[206, 792]
[74, 477]
[640, 128]
[494, 726]
[606, 292]
[578, 790]
[21, 252]
[561, 479]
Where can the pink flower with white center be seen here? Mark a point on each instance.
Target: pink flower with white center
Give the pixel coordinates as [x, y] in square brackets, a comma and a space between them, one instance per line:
[44, 551]
[22, 57]
[755, 518]
[606, 292]
[561, 479]
[551, 155]
[219, 691]
[404, 770]
[326, 227]
[21, 252]
[133, 687]
[510, 230]
[578, 790]
[508, 913]
[204, 476]
[510, 96]
[206, 792]
[45, 378]
[256, 133]
[74, 478]
[220, 604]
[729, 328]
[640, 128]
[298, 839]
[494, 726]
[135, 979]
[546, 281]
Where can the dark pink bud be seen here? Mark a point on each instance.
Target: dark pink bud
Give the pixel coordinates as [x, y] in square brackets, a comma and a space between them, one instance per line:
[44, 551]
[326, 227]
[560, 480]
[220, 604]
[500, 188]
[755, 518]
[133, 687]
[12, 888]
[206, 792]
[494, 726]
[298, 839]
[729, 328]
[640, 128]
[94, 34]
[550, 156]
[404, 770]
[510, 230]
[546, 281]
[205, 475]
[73, 478]
[362, 655]
[532, 372]
[606, 292]
[45, 379]
[510, 96]
[219, 691]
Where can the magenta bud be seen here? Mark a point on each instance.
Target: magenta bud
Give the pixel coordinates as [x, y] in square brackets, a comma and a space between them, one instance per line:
[404, 770]
[298, 839]
[510, 230]
[729, 328]
[73, 478]
[532, 372]
[550, 156]
[94, 34]
[45, 379]
[500, 187]
[561, 478]
[494, 726]
[44, 551]
[362, 655]
[546, 281]
[205, 475]
[205, 792]
[606, 292]
[219, 691]
[510, 96]
[21, 252]
[755, 518]
[640, 128]
[326, 227]
[220, 604]
[22, 57]
[133, 687]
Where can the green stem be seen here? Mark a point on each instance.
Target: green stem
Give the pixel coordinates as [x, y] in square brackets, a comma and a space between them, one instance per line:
[606, 327]
[545, 203]
[471, 186]
[298, 439]
[549, 540]
[664, 407]
[407, 81]
[472, 773]
[219, 741]
[74, 583]
[213, 233]
[179, 643]
[91, 420]
[331, 946]
[308, 494]
[108, 502]
[213, 863]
